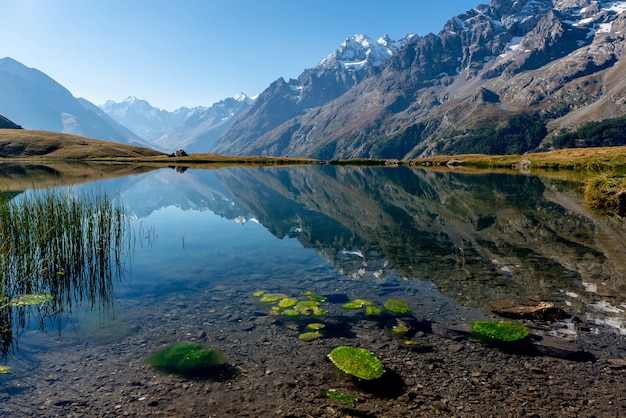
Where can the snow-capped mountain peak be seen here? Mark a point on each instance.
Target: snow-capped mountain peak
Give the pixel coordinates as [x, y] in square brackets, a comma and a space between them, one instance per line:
[359, 51]
[242, 97]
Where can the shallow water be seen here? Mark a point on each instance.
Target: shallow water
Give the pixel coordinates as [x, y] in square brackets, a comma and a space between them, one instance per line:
[447, 243]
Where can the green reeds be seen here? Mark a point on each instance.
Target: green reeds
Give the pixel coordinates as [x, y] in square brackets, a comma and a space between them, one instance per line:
[68, 245]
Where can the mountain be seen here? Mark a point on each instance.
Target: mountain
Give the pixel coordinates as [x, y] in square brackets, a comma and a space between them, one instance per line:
[194, 130]
[145, 120]
[7, 124]
[35, 101]
[505, 77]
[284, 100]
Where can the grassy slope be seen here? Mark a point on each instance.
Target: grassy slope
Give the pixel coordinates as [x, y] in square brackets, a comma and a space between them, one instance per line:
[19, 143]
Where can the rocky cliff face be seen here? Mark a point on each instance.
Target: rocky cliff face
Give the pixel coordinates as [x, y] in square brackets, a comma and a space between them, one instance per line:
[498, 78]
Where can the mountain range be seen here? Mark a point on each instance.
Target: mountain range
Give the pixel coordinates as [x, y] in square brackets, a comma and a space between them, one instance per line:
[501, 78]
[510, 76]
[35, 101]
[194, 130]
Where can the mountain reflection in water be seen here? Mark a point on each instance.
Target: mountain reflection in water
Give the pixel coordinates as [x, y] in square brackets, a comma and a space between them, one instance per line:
[477, 237]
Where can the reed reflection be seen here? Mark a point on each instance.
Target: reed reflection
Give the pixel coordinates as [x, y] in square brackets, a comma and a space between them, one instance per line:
[58, 251]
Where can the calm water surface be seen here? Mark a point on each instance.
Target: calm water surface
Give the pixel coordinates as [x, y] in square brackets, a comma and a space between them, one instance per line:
[447, 243]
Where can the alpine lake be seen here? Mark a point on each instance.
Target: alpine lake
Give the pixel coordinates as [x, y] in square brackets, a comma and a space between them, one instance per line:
[269, 270]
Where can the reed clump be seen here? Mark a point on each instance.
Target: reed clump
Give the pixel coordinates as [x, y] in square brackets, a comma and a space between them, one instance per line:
[67, 245]
[606, 193]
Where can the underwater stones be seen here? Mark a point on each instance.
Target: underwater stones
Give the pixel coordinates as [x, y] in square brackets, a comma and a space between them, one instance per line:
[397, 307]
[187, 358]
[357, 362]
[500, 331]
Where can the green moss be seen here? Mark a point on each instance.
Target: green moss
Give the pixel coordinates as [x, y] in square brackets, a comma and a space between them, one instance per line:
[397, 307]
[186, 358]
[500, 331]
[357, 362]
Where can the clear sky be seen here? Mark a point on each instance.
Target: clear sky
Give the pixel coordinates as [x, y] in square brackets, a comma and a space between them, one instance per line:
[176, 53]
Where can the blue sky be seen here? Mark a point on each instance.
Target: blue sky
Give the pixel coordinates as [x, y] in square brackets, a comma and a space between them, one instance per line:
[196, 52]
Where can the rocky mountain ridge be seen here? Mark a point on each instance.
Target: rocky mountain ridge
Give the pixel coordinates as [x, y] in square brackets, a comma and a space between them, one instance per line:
[497, 79]
[285, 100]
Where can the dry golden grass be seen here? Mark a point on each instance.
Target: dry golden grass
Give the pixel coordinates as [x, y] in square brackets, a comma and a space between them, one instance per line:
[27, 144]
[573, 159]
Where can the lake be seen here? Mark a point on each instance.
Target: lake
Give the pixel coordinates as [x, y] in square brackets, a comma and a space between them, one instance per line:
[205, 245]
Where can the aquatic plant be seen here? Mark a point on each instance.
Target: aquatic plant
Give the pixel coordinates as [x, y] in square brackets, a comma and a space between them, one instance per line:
[357, 362]
[287, 302]
[500, 331]
[310, 336]
[272, 297]
[335, 395]
[371, 310]
[5, 370]
[399, 329]
[316, 326]
[31, 299]
[187, 358]
[397, 307]
[57, 250]
[357, 304]
[313, 296]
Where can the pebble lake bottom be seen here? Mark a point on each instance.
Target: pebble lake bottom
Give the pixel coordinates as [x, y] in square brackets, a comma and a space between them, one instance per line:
[446, 243]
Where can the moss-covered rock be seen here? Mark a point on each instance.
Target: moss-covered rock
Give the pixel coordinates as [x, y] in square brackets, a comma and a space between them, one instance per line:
[187, 358]
[397, 307]
[500, 331]
[357, 362]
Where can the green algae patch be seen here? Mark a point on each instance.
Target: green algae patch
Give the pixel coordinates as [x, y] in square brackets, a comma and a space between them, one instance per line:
[313, 296]
[500, 331]
[357, 304]
[357, 362]
[187, 358]
[316, 326]
[272, 297]
[5, 370]
[258, 293]
[373, 310]
[336, 395]
[287, 302]
[397, 307]
[310, 336]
